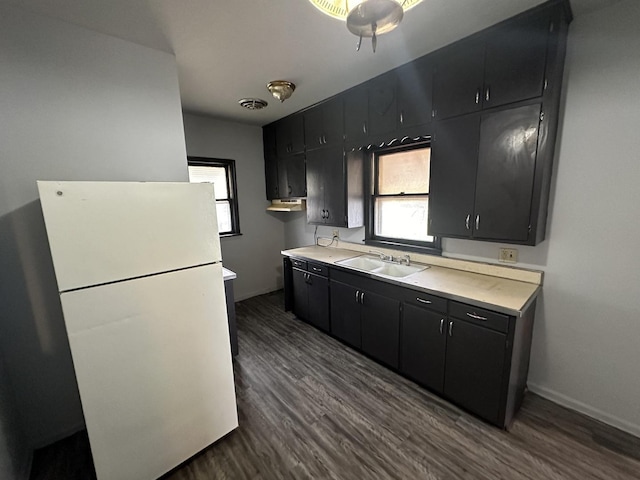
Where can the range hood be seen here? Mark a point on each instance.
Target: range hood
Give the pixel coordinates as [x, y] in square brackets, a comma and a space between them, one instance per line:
[292, 205]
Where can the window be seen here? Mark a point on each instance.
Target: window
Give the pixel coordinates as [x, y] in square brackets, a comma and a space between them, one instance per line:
[399, 201]
[222, 173]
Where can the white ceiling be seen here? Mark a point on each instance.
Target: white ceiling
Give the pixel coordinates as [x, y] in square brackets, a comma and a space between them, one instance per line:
[229, 50]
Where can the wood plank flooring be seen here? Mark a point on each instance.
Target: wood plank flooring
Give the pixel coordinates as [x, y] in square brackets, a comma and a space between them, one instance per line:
[311, 407]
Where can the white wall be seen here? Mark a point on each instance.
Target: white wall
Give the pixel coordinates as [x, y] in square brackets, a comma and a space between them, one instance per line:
[255, 255]
[75, 105]
[586, 345]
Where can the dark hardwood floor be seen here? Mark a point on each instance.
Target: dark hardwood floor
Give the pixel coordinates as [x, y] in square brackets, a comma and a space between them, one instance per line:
[311, 407]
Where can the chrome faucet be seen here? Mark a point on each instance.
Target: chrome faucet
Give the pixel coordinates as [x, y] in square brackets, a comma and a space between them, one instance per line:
[384, 257]
[406, 259]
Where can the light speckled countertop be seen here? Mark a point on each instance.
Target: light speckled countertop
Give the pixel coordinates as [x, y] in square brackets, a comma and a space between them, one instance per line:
[485, 291]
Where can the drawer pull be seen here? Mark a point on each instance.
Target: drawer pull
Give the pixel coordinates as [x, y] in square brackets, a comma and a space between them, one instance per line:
[476, 317]
[422, 300]
[316, 269]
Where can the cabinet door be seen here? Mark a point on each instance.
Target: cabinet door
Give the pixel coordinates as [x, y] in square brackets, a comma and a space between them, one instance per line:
[332, 120]
[300, 294]
[474, 368]
[423, 341]
[454, 155]
[414, 93]
[269, 140]
[345, 313]
[334, 186]
[383, 104]
[506, 165]
[313, 128]
[515, 61]
[381, 328]
[458, 78]
[271, 177]
[318, 312]
[290, 135]
[295, 177]
[356, 113]
[315, 187]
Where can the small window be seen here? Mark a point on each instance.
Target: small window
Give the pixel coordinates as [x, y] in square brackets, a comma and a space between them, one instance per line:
[222, 173]
[399, 204]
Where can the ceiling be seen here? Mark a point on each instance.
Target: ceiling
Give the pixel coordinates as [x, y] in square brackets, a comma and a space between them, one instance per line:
[229, 50]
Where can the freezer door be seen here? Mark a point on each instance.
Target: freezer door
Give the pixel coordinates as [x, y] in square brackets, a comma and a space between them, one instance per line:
[101, 232]
[153, 364]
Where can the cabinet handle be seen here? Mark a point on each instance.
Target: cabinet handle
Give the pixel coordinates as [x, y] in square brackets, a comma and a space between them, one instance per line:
[477, 96]
[476, 317]
[478, 222]
[401, 118]
[290, 189]
[466, 222]
[441, 325]
[316, 269]
[361, 298]
[324, 138]
[486, 95]
[422, 300]
[327, 217]
[319, 139]
[357, 296]
[364, 127]
[451, 329]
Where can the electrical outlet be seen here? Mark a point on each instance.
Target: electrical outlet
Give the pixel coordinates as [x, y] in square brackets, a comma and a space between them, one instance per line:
[336, 234]
[508, 255]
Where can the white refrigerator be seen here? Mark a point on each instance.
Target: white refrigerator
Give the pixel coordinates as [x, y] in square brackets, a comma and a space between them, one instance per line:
[139, 272]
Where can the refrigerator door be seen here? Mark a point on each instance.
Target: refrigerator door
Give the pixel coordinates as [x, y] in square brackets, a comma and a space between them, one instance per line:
[154, 369]
[101, 232]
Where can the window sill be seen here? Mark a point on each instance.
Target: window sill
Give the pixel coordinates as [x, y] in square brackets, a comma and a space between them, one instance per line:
[398, 245]
[229, 235]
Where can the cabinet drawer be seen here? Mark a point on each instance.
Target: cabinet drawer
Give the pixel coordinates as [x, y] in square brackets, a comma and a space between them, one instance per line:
[424, 300]
[301, 264]
[487, 318]
[318, 269]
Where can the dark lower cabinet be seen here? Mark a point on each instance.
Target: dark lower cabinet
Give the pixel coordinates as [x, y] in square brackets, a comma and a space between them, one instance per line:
[476, 358]
[311, 298]
[474, 371]
[380, 327]
[345, 313]
[423, 343]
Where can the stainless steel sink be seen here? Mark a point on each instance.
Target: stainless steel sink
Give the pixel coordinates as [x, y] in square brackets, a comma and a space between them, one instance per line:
[376, 266]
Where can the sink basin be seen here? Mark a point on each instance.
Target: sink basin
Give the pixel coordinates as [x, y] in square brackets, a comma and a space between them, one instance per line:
[363, 262]
[399, 271]
[374, 265]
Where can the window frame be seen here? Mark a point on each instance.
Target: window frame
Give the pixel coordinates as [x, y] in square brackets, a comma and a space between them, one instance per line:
[371, 193]
[232, 184]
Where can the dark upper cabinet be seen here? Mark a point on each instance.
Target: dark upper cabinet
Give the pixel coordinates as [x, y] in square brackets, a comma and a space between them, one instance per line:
[356, 117]
[271, 177]
[291, 177]
[482, 175]
[475, 368]
[414, 89]
[323, 124]
[505, 66]
[457, 84]
[269, 140]
[454, 160]
[506, 166]
[335, 187]
[382, 104]
[515, 59]
[290, 135]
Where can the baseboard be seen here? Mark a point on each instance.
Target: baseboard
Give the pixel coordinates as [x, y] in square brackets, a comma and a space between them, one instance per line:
[239, 298]
[588, 410]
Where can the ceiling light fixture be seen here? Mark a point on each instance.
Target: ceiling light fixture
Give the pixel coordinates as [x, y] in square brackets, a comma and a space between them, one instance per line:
[281, 89]
[367, 18]
[252, 103]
